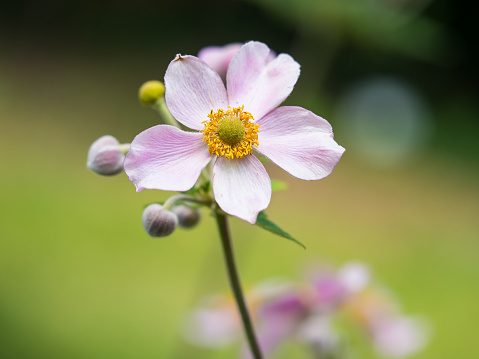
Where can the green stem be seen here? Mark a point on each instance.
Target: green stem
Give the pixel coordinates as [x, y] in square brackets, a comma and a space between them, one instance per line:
[178, 198]
[160, 107]
[236, 285]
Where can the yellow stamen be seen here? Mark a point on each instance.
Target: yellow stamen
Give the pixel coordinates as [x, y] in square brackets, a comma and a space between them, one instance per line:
[231, 133]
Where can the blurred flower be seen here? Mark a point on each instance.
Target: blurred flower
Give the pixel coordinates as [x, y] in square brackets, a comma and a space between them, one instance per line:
[398, 337]
[216, 321]
[392, 334]
[219, 57]
[106, 156]
[214, 324]
[308, 312]
[228, 124]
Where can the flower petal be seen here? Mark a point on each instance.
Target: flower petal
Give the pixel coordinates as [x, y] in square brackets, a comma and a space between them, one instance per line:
[192, 90]
[299, 141]
[242, 187]
[166, 158]
[259, 82]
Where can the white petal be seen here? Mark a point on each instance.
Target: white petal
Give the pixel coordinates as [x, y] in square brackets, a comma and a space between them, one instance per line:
[259, 82]
[241, 186]
[299, 141]
[192, 90]
[166, 158]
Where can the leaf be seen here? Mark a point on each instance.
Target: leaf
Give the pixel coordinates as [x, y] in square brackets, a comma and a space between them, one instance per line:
[263, 222]
[277, 185]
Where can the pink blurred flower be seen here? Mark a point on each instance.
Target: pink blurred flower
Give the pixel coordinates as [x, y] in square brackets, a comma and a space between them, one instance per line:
[284, 311]
[398, 337]
[306, 312]
[229, 123]
[215, 323]
[219, 57]
[393, 335]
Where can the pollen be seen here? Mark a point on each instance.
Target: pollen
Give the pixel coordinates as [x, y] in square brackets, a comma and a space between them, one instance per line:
[231, 133]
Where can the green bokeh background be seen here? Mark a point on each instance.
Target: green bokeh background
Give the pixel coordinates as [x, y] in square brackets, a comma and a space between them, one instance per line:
[79, 277]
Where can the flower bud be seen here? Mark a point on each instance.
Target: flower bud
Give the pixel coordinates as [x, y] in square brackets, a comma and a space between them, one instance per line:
[159, 222]
[150, 92]
[105, 156]
[187, 217]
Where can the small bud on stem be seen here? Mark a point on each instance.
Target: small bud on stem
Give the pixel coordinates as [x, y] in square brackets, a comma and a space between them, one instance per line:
[106, 156]
[159, 222]
[150, 92]
[187, 217]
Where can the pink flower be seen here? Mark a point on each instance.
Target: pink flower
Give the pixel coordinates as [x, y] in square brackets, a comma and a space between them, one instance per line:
[399, 337]
[219, 57]
[309, 312]
[228, 124]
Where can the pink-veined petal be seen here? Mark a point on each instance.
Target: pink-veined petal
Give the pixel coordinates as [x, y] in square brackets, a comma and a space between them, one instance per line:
[259, 82]
[192, 90]
[299, 141]
[241, 186]
[166, 158]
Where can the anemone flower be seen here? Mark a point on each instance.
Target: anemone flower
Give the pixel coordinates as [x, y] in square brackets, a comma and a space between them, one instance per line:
[228, 123]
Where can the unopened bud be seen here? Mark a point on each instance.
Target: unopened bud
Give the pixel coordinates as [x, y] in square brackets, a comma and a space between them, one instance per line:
[159, 222]
[150, 92]
[106, 156]
[187, 217]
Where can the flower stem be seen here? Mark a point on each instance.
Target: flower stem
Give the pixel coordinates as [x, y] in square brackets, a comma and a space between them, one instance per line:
[178, 198]
[236, 285]
[160, 107]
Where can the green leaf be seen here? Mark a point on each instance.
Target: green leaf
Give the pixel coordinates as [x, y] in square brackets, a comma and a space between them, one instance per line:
[263, 222]
[277, 185]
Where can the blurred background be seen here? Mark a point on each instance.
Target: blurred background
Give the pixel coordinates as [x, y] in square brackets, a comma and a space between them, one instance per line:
[397, 79]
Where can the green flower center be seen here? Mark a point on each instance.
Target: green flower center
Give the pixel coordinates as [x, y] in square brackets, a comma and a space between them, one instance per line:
[231, 133]
[231, 130]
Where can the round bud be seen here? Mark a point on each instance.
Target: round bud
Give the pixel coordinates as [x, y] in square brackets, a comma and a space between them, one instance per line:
[105, 156]
[150, 92]
[187, 217]
[159, 222]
